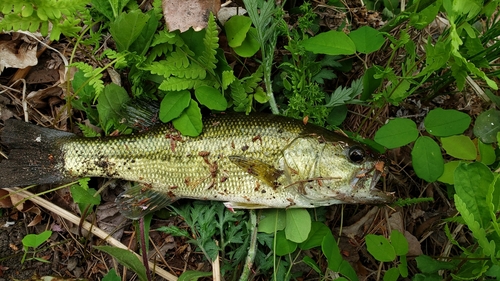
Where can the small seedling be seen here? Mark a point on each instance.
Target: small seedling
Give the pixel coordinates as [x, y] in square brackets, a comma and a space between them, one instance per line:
[33, 241]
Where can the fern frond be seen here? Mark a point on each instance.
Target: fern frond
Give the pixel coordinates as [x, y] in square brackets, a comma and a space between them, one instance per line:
[251, 82]
[94, 76]
[242, 103]
[194, 71]
[211, 43]
[227, 78]
[178, 84]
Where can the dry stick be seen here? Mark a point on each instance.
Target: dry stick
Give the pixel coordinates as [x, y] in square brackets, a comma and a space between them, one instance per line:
[86, 225]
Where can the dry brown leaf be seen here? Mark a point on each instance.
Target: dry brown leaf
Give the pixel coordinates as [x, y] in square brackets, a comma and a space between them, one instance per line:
[5, 201]
[182, 15]
[17, 53]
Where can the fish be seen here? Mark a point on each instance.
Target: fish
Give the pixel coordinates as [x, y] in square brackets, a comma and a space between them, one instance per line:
[248, 162]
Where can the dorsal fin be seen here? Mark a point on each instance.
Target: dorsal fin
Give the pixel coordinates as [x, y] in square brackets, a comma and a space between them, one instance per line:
[263, 171]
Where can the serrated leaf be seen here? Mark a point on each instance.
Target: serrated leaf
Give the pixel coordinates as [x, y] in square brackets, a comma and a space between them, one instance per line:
[260, 96]
[396, 133]
[211, 98]
[83, 196]
[298, 225]
[189, 123]
[399, 242]
[446, 122]
[367, 39]
[472, 182]
[448, 175]
[126, 258]
[380, 248]
[174, 231]
[236, 30]
[339, 97]
[330, 43]
[487, 126]
[283, 245]
[427, 160]
[173, 104]
[127, 27]
[460, 147]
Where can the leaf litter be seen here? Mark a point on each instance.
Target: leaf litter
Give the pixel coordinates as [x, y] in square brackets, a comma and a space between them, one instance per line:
[420, 224]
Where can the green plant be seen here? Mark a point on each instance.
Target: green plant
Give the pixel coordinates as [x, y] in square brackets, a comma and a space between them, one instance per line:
[385, 250]
[34, 241]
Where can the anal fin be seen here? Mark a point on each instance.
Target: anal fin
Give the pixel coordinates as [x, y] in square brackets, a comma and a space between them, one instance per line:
[263, 171]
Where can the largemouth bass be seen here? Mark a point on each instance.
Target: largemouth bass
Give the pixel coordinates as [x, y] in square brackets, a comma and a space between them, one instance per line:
[256, 161]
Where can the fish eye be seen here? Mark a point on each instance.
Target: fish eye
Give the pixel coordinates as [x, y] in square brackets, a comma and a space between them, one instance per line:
[356, 154]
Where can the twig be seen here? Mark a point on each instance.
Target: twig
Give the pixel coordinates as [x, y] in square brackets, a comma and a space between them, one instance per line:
[86, 225]
[144, 251]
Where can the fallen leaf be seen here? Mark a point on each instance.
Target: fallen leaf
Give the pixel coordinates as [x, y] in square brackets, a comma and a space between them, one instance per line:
[17, 53]
[5, 201]
[182, 15]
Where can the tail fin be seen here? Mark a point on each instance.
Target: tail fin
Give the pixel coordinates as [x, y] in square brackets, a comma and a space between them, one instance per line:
[34, 155]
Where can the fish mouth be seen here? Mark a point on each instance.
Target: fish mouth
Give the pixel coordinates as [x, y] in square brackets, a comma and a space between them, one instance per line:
[372, 194]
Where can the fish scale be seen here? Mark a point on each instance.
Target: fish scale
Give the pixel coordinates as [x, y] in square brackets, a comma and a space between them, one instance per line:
[256, 161]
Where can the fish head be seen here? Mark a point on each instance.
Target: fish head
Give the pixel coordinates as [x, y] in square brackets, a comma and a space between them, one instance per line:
[331, 169]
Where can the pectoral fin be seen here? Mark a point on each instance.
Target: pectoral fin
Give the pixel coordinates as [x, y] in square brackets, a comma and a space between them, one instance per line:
[263, 171]
[141, 200]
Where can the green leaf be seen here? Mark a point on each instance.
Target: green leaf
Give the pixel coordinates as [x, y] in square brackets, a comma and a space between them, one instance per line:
[427, 160]
[448, 175]
[127, 259]
[311, 263]
[127, 27]
[427, 264]
[460, 147]
[331, 251]
[318, 232]
[272, 220]
[173, 104]
[174, 231]
[370, 83]
[110, 104]
[298, 225]
[211, 98]
[472, 182]
[260, 96]
[83, 196]
[236, 30]
[111, 276]
[380, 248]
[337, 115]
[399, 242]
[392, 274]
[446, 122]
[486, 152]
[330, 43]
[487, 126]
[193, 275]
[189, 123]
[249, 46]
[35, 240]
[283, 245]
[397, 132]
[367, 39]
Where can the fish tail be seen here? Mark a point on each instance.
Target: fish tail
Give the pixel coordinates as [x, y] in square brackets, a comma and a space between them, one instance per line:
[34, 155]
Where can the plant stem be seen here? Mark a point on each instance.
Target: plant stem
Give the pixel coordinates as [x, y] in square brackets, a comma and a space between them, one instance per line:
[252, 249]
[144, 251]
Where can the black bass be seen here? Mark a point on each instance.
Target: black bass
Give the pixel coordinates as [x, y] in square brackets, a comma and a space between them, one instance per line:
[256, 161]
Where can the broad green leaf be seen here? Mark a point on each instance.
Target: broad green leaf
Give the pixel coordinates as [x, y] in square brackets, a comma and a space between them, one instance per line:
[475, 226]
[330, 43]
[448, 175]
[472, 182]
[127, 27]
[486, 152]
[423, 18]
[311, 263]
[380, 248]
[283, 245]
[446, 122]
[460, 147]
[331, 251]
[427, 160]
[84, 197]
[110, 104]
[189, 123]
[370, 83]
[487, 125]
[211, 98]
[127, 259]
[403, 266]
[249, 46]
[337, 115]
[272, 220]
[492, 201]
[111, 276]
[367, 39]
[173, 104]
[397, 132]
[260, 96]
[35, 240]
[392, 274]
[193, 275]
[318, 232]
[427, 264]
[236, 30]
[298, 225]
[399, 242]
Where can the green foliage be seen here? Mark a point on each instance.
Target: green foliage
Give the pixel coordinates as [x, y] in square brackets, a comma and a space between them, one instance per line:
[84, 196]
[34, 241]
[126, 258]
[385, 250]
